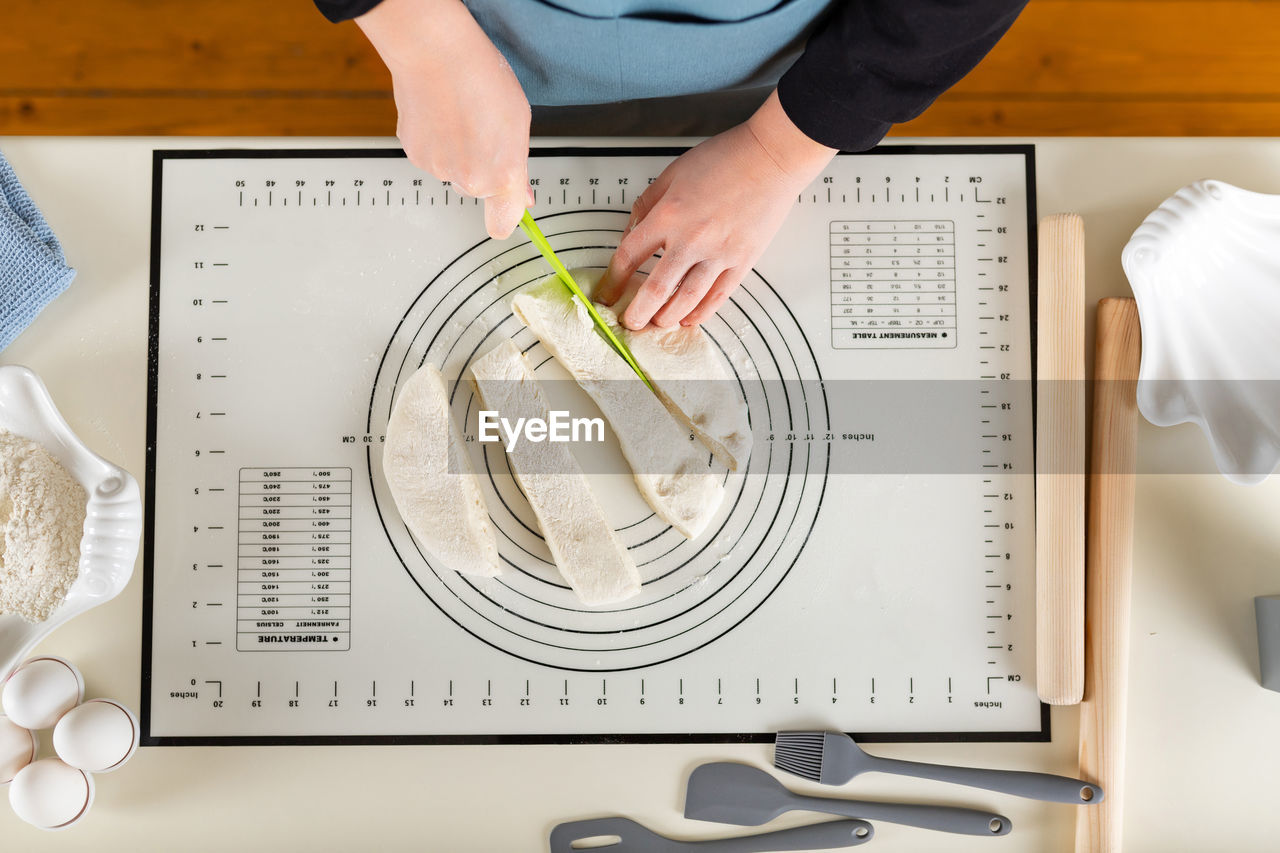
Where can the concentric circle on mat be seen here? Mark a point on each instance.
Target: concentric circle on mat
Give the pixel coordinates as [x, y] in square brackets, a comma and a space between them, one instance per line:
[694, 590]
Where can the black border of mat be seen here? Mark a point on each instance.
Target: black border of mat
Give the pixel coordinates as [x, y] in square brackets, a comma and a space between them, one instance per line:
[159, 156]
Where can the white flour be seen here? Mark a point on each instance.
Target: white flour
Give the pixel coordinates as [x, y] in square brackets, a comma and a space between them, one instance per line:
[42, 519]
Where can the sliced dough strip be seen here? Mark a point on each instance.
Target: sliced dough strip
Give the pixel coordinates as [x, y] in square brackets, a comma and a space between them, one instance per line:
[431, 479]
[684, 366]
[582, 542]
[670, 470]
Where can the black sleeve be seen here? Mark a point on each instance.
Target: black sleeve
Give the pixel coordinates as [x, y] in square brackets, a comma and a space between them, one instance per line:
[344, 10]
[873, 63]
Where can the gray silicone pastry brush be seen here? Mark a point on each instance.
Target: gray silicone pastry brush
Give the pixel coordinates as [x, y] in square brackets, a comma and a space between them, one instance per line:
[634, 838]
[745, 796]
[833, 758]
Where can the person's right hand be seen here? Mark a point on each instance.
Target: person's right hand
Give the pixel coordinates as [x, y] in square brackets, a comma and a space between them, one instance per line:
[462, 114]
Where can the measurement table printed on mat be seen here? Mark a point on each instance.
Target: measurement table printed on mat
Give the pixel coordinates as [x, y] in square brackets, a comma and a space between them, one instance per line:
[893, 284]
[870, 570]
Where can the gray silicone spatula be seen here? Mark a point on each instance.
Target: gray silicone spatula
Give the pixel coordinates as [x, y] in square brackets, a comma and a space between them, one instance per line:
[832, 758]
[744, 796]
[634, 838]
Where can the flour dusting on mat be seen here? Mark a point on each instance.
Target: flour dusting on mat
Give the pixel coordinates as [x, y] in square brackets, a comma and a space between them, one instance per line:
[42, 512]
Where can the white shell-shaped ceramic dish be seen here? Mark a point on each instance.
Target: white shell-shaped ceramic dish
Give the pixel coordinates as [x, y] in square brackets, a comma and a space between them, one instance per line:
[113, 519]
[1205, 268]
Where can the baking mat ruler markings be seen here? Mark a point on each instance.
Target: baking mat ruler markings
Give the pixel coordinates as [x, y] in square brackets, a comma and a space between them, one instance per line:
[917, 249]
[353, 193]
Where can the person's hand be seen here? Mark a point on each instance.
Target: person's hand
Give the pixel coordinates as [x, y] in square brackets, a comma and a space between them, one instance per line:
[711, 214]
[462, 114]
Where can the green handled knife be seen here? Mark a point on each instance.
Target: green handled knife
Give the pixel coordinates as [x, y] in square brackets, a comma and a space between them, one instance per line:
[535, 234]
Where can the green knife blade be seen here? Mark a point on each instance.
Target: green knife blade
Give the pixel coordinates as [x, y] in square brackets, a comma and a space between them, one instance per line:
[535, 234]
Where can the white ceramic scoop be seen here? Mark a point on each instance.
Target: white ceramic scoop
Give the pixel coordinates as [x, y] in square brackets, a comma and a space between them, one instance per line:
[112, 524]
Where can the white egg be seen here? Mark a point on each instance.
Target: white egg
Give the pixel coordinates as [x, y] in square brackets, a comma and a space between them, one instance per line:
[41, 691]
[97, 737]
[51, 795]
[17, 749]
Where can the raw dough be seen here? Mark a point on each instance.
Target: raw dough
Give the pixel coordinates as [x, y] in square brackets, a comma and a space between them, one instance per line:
[669, 468]
[582, 542]
[432, 481]
[689, 375]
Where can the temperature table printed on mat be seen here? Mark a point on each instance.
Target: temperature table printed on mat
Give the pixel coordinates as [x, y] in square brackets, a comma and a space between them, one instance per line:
[883, 346]
[294, 559]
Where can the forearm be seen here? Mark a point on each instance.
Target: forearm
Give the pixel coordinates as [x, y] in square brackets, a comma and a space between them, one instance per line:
[421, 33]
[791, 150]
[460, 112]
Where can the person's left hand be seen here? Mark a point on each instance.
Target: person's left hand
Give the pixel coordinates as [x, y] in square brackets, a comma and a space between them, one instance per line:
[711, 214]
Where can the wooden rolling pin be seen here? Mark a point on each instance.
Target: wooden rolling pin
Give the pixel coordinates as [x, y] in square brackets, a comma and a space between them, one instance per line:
[1110, 573]
[1060, 462]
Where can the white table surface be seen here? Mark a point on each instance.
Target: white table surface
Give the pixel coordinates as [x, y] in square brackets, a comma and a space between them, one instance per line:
[1203, 739]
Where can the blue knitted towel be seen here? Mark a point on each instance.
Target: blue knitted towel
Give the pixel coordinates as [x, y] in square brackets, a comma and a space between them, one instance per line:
[33, 270]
